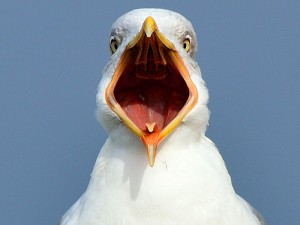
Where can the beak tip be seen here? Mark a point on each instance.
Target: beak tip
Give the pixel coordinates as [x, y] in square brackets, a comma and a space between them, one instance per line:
[151, 150]
[149, 26]
[148, 32]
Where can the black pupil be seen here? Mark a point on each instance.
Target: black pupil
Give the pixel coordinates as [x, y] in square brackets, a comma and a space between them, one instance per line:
[184, 45]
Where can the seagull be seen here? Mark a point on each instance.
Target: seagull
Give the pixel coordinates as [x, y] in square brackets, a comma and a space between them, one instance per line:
[157, 167]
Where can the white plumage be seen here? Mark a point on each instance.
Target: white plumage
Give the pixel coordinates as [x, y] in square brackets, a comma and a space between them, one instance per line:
[189, 183]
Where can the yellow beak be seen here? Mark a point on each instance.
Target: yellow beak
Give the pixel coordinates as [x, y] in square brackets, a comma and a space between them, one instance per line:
[163, 53]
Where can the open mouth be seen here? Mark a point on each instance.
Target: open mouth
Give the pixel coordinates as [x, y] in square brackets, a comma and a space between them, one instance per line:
[151, 90]
[151, 100]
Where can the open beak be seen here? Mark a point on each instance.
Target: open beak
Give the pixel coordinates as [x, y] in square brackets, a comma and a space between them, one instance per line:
[151, 90]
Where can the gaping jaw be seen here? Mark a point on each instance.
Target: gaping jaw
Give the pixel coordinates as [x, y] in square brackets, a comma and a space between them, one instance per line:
[151, 90]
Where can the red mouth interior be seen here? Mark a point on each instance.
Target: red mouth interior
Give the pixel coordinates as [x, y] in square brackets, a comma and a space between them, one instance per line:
[151, 93]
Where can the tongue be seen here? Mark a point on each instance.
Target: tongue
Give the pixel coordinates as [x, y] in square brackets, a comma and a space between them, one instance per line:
[151, 107]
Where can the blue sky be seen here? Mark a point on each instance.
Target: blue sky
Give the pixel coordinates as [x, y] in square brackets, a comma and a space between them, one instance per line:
[51, 58]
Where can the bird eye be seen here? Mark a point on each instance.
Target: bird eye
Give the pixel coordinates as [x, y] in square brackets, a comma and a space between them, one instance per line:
[114, 45]
[186, 45]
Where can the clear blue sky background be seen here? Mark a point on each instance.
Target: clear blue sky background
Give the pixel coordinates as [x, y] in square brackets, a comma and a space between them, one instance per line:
[51, 58]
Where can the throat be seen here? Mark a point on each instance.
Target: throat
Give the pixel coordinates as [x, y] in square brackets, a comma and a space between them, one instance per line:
[151, 103]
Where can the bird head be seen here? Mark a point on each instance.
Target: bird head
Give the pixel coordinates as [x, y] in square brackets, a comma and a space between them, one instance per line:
[152, 84]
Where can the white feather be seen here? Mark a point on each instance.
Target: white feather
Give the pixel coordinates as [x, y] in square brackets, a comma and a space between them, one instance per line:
[189, 183]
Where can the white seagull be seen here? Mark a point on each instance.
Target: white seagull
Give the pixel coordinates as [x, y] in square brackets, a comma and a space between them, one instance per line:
[157, 167]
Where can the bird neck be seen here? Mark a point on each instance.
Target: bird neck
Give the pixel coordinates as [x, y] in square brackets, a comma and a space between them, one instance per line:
[184, 161]
[183, 150]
